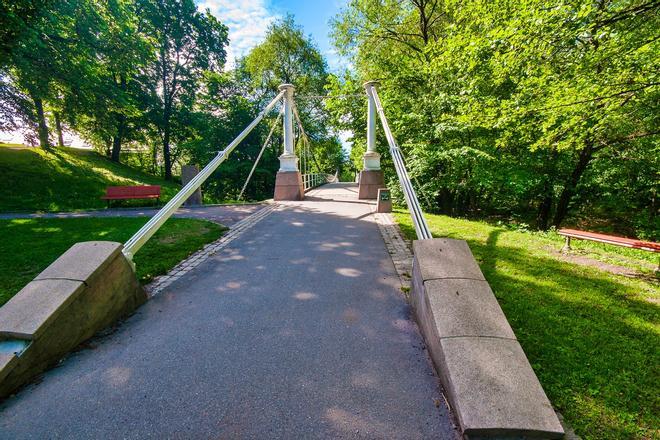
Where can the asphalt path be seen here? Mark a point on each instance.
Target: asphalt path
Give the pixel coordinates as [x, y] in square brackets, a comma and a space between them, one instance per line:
[297, 329]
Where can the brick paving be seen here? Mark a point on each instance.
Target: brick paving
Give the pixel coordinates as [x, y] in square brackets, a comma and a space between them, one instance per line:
[398, 247]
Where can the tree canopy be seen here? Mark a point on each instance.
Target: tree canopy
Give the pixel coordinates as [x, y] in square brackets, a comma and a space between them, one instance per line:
[544, 113]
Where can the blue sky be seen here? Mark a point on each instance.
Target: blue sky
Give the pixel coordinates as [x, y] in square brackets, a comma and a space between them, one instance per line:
[248, 19]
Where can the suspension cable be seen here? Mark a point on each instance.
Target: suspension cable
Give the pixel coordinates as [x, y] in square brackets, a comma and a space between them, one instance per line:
[261, 152]
[304, 134]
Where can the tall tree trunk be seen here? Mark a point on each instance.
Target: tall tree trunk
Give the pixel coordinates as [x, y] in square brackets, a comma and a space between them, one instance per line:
[549, 176]
[41, 120]
[166, 147]
[58, 128]
[118, 138]
[121, 127]
[585, 156]
[543, 216]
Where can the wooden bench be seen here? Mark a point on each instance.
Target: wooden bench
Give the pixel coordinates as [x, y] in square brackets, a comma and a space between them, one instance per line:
[608, 239]
[131, 192]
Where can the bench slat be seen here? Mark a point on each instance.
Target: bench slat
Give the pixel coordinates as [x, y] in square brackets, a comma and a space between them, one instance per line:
[132, 192]
[610, 239]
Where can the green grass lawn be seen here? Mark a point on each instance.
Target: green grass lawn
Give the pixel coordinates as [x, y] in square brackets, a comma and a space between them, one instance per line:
[64, 179]
[29, 245]
[592, 337]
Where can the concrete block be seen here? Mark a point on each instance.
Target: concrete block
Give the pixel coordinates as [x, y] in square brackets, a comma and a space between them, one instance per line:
[188, 173]
[494, 390]
[384, 203]
[7, 361]
[88, 288]
[82, 261]
[465, 307]
[33, 309]
[370, 182]
[489, 381]
[289, 186]
[445, 258]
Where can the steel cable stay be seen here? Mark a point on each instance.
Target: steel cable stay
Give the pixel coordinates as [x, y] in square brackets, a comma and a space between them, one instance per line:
[135, 243]
[310, 180]
[261, 152]
[149, 229]
[421, 227]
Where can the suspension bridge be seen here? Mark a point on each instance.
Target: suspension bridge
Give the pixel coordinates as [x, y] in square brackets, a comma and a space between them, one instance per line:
[293, 325]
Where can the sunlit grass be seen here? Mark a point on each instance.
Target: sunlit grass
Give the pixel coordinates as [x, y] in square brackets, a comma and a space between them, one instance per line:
[592, 337]
[29, 245]
[65, 179]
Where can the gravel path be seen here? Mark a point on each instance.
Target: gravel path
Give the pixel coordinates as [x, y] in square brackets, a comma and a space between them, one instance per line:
[224, 214]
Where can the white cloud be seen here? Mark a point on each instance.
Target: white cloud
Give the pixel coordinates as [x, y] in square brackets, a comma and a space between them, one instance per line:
[247, 21]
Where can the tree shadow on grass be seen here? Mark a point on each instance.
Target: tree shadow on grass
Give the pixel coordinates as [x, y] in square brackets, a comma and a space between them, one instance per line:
[591, 339]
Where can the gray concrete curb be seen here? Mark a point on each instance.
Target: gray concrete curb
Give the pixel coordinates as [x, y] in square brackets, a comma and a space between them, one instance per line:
[490, 384]
[86, 289]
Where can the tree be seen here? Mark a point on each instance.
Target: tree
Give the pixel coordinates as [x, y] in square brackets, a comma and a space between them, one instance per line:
[53, 59]
[187, 43]
[287, 56]
[110, 109]
[507, 107]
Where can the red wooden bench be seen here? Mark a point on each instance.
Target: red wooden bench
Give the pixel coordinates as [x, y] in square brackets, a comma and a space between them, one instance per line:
[131, 192]
[609, 239]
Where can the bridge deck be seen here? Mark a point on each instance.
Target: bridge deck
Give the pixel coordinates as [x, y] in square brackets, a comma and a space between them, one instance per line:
[295, 330]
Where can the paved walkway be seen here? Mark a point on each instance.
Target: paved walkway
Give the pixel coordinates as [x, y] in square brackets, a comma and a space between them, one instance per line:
[224, 214]
[296, 329]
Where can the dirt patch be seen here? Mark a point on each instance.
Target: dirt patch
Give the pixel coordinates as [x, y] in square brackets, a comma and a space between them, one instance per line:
[615, 269]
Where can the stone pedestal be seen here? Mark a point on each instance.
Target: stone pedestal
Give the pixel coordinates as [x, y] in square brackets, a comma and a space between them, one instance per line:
[384, 203]
[370, 182]
[88, 288]
[188, 172]
[289, 186]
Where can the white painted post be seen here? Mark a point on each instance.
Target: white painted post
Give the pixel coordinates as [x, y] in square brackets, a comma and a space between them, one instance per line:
[371, 159]
[288, 160]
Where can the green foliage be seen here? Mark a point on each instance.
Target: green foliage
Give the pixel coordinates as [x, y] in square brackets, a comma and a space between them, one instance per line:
[187, 44]
[49, 238]
[227, 113]
[63, 179]
[542, 112]
[115, 71]
[288, 56]
[591, 336]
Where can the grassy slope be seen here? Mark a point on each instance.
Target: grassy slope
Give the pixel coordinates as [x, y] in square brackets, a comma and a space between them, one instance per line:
[29, 245]
[591, 336]
[63, 179]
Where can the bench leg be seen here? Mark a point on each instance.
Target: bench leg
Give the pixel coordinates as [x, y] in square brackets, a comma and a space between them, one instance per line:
[567, 245]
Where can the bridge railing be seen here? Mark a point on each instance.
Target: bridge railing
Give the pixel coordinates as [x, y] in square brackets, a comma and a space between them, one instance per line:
[144, 234]
[311, 181]
[421, 227]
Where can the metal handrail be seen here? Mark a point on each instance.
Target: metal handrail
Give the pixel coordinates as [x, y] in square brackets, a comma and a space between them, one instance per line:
[144, 234]
[421, 227]
[315, 179]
